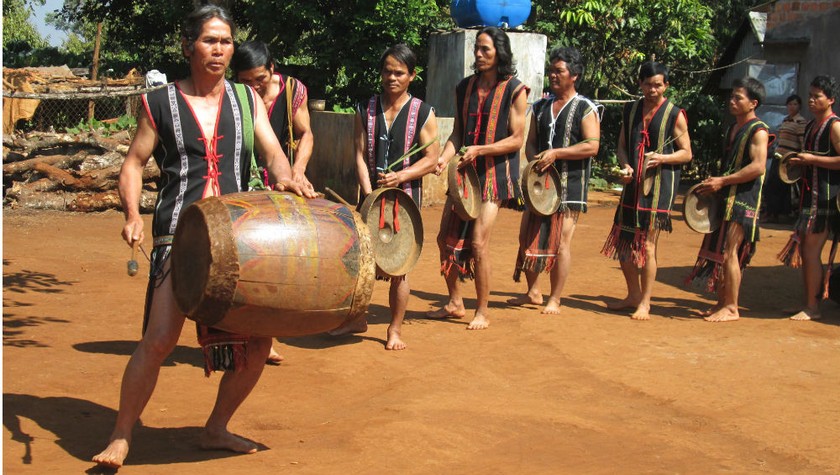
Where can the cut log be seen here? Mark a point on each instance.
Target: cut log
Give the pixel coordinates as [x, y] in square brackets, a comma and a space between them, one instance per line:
[107, 160]
[96, 180]
[31, 145]
[19, 197]
[41, 184]
[56, 174]
[17, 170]
[87, 202]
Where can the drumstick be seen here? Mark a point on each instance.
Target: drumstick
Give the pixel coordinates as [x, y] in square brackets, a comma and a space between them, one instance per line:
[414, 149]
[339, 198]
[132, 264]
[669, 141]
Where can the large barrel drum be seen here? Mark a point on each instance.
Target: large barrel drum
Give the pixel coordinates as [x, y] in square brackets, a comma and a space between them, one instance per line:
[272, 264]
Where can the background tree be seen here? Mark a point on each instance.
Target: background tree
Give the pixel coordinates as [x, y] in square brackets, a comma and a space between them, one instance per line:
[617, 36]
[335, 46]
[339, 43]
[20, 37]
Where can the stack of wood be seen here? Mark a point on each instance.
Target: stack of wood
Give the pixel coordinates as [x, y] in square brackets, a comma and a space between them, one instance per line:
[69, 172]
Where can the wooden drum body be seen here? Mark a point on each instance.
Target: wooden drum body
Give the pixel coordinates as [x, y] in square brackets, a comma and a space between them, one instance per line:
[271, 264]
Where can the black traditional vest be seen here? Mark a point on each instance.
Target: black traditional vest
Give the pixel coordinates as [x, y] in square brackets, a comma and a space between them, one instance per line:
[187, 164]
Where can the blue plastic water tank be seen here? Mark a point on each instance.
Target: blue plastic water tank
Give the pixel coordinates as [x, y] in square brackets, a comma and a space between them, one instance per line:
[503, 13]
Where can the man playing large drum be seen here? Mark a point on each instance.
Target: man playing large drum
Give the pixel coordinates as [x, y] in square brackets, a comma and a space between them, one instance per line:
[652, 146]
[490, 128]
[564, 134]
[200, 131]
[819, 218]
[389, 126]
[726, 252]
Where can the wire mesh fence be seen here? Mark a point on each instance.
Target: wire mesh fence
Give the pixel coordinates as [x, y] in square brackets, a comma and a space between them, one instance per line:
[56, 112]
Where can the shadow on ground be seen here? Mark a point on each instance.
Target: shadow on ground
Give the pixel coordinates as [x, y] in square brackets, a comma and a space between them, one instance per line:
[82, 429]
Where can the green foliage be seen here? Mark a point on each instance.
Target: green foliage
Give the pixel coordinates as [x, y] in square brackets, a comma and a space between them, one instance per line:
[334, 47]
[341, 42]
[343, 110]
[124, 122]
[615, 36]
[17, 24]
[20, 38]
[135, 33]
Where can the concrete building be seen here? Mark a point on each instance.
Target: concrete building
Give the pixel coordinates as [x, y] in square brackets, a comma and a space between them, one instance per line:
[784, 43]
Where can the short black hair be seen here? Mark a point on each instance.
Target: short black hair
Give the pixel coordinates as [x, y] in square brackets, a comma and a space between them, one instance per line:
[754, 88]
[653, 68]
[402, 53]
[196, 19]
[504, 56]
[250, 55]
[794, 98]
[827, 84]
[570, 56]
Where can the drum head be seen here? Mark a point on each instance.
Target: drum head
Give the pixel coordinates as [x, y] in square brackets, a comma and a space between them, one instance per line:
[464, 191]
[397, 233]
[541, 190]
[702, 212]
[649, 177]
[789, 173]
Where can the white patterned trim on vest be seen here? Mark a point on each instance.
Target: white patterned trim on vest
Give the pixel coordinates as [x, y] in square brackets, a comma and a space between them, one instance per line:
[182, 153]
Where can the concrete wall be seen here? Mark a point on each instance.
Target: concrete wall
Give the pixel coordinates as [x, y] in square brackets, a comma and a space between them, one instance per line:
[451, 60]
[816, 55]
[333, 163]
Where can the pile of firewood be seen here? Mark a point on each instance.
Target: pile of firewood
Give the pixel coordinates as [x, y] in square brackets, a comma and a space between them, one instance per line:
[69, 172]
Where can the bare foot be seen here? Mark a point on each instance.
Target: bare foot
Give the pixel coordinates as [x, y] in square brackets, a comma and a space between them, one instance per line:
[526, 299]
[358, 325]
[449, 310]
[552, 307]
[227, 441]
[480, 322]
[628, 302]
[274, 358]
[114, 455]
[807, 314]
[705, 313]
[642, 313]
[724, 314]
[394, 340]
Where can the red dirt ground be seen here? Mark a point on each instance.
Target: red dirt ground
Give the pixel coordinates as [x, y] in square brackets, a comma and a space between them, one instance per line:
[588, 391]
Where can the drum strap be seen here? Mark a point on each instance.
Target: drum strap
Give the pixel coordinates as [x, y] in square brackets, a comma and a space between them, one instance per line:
[256, 180]
[165, 240]
[290, 119]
